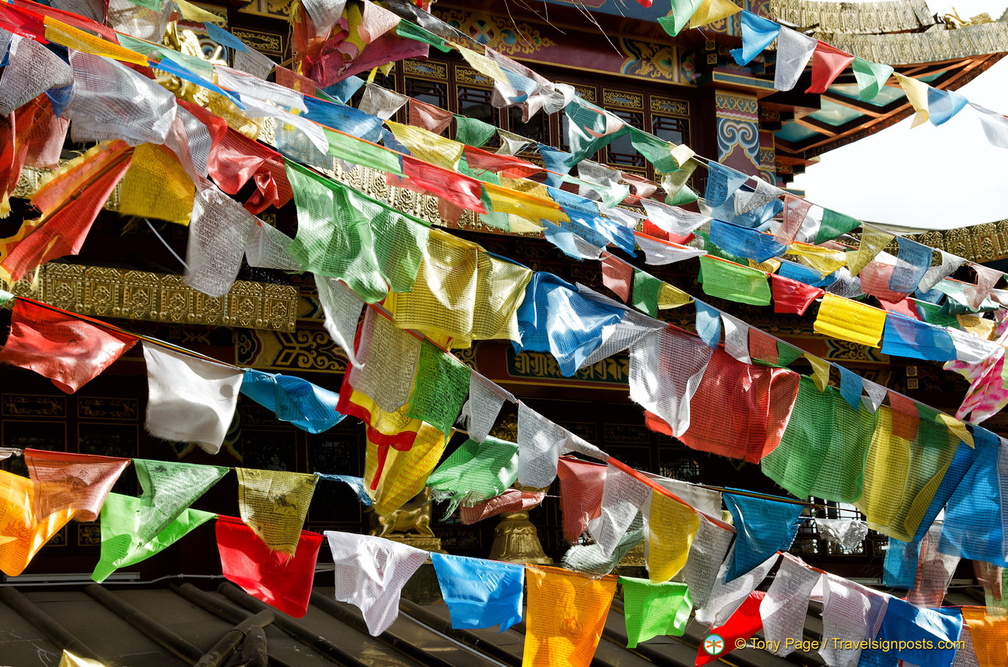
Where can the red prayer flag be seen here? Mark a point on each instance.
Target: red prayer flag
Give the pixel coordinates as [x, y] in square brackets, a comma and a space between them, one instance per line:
[67, 350]
[279, 580]
[904, 307]
[875, 280]
[743, 624]
[762, 346]
[429, 117]
[617, 275]
[238, 159]
[795, 210]
[511, 500]
[77, 483]
[581, 485]
[63, 232]
[791, 296]
[827, 63]
[506, 165]
[740, 410]
[440, 182]
[905, 417]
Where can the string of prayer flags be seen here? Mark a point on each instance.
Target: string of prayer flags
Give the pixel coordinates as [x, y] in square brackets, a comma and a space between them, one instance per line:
[742, 625]
[371, 573]
[280, 580]
[76, 482]
[851, 613]
[623, 496]
[757, 34]
[189, 399]
[672, 219]
[293, 399]
[581, 488]
[64, 348]
[652, 610]
[823, 448]
[740, 410]
[590, 558]
[785, 606]
[820, 371]
[672, 525]
[727, 280]
[355, 483]
[565, 616]
[22, 533]
[663, 253]
[708, 324]
[666, 368]
[62, 228]
[850, 320]
[480, 593]
[870, 77]
[994, 124]
[274, 504]
[727, 596]
[764, 527]
[474, 472]
[986, 279]
[122, 527]
[827, 64]
[794, 50]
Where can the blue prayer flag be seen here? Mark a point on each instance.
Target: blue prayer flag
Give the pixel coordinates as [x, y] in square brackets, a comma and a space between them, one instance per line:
[355, 483]
[912, 263]
[743, 242]
[907, 337]
[943, 104]
[343, 118]
[899, 569]
[851, 385]
[708, 323]
[722, 182]
[972, 527]
[306, 405]
[764, 527]
[345, 89]
[480, 593]
[757, 33]
[920, 636]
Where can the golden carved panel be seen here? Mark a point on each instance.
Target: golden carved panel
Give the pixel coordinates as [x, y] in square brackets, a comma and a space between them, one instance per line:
[140, 295]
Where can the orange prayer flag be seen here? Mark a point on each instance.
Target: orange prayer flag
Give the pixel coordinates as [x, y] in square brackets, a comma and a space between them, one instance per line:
[565, 616]
[21, 535]
[66, 349]
[75, 482]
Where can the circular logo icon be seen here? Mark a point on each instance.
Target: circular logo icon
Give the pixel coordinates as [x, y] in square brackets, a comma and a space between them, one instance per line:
[713, 644]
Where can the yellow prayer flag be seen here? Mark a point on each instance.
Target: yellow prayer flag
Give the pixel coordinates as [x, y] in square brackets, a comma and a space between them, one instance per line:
[682, 154]
[427, 146]
[850, 320]
[157, 186]
[820, 371]
[565, 616]
[873, 240]
[710, 11]
[191, 12]
[672, 525]
[68, 659]
[823, 260]
[274, 504]
[21, 536]
[523, 204]
[405, 472]
[78, 40]
[482, 64]
[956, 427]
[917, 94]
[902, 476]
[500, 289]
[769, 266]
[670, 296]
[978, 326]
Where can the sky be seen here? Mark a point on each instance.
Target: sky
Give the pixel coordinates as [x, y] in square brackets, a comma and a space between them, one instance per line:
[926, 177]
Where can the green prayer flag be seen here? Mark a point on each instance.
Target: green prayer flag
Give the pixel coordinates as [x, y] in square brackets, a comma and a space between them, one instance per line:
[682, 12]
[357, 151]
[416, 33]
[870, 77]
[651, 610]
[476, 471]
[472, 131]
[646, 289]
[787, 353]
[935, 314]
[733, 282]
[122, 522]
[399, 240]
[168, 488]
[656, 151]
[587, 130]
[440, 388]
[5, 297]
[334, 237]
[682, 197]
[198, 66]
[834, 224]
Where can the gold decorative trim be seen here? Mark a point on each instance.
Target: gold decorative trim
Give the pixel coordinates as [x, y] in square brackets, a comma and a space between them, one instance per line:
[427, 69]
[669, 106]
[935, 45]
[981, 243]
[155, 297]
[622, 99]
[868, 17]
[471, 77]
